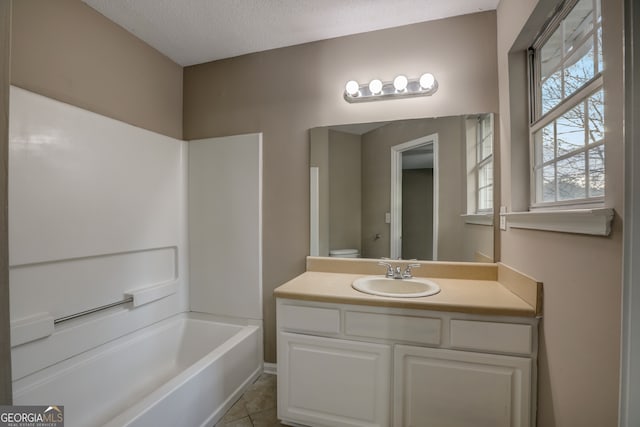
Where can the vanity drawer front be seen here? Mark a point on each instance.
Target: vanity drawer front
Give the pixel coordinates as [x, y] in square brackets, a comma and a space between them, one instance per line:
[423, 330]
[310, 319]
[491, 336]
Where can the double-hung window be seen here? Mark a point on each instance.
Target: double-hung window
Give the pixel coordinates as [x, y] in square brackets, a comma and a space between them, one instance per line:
[567, 112]
[484, 170]
[479, 164]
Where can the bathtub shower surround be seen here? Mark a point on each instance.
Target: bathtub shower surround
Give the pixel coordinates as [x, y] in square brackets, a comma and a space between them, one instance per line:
[225, 225]
[96, 211]
[99, 275]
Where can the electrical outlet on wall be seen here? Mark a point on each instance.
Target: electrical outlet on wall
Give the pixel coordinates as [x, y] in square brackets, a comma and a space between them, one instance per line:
[387, 217]
[503, 218]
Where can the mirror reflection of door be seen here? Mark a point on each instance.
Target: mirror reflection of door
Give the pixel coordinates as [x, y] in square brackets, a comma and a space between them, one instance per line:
[414, 199]
[417, 203]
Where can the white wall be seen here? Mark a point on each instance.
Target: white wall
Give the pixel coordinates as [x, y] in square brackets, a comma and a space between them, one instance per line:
[97, 208]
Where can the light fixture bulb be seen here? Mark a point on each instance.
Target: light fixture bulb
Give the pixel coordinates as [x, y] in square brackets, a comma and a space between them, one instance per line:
[427, 81]
[375, 86]
[352, 88]
[400, 83]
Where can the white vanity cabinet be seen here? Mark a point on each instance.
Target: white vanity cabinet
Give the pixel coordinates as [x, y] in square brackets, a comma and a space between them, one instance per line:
[325, 381]
[332, 382]
[345, 365]
[450, 388]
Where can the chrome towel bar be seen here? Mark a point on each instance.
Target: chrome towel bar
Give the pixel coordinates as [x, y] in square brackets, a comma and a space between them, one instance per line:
[93, 310]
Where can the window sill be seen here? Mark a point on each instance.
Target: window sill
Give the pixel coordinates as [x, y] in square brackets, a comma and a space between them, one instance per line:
[478, 219]
[596, 222]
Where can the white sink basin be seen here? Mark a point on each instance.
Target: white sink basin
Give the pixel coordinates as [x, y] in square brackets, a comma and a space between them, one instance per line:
[397, 288]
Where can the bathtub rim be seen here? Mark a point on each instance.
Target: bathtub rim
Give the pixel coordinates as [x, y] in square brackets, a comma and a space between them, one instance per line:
[246, 327]
[145, 404]
[34, 379]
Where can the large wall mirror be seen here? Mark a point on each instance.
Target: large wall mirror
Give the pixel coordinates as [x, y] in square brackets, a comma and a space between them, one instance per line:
[410, 189]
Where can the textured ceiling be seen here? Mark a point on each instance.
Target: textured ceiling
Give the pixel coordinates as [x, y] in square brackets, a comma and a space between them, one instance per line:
[196, 31]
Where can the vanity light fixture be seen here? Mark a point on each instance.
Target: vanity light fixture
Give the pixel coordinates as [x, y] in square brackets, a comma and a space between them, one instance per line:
[427, 81]
[400, 83]
[375, 87]
[400, 87]
[352, 88]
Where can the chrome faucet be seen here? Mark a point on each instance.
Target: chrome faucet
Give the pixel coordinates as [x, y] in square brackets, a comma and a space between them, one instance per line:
[407, 271]
[390, 273]
[397, 272]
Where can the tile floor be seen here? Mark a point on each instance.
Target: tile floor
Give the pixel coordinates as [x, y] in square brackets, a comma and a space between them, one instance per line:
[256, 407]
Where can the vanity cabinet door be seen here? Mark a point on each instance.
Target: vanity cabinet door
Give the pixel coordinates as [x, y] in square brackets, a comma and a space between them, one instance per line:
[333, 383]
[448, 388]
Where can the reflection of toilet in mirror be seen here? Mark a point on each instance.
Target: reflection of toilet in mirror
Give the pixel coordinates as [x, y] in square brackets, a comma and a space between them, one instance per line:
[344, 253]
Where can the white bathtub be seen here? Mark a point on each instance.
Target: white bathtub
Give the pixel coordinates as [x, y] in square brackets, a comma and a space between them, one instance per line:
[184, 371]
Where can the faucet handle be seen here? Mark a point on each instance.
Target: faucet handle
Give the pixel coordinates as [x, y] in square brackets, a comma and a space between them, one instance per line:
[407, 270]
[389, 268]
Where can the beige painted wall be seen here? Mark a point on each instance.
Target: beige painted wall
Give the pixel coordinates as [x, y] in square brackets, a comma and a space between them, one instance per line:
[376, 190]
[417, 214]
[5, 338]
[345, 187]
[580, 332]
[478, 244]
[285, 92]
[65, 50]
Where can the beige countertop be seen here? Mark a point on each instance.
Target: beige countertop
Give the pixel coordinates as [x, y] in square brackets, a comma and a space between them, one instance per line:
[472, 296]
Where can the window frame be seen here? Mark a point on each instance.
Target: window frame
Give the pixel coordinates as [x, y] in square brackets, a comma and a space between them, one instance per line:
[482, 162]
[538, 120]
[474, 162]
